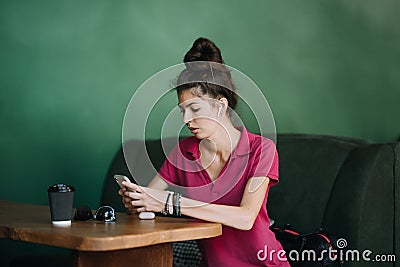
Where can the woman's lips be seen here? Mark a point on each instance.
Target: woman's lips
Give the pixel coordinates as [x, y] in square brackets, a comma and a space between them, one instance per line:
[193, 130]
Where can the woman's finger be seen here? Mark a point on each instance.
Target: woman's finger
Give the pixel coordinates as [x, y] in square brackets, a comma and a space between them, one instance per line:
[127, 199]
[126, 202]
[121, 192]
[132, 186]
[133, 195]
[141, 209]
[136, 203]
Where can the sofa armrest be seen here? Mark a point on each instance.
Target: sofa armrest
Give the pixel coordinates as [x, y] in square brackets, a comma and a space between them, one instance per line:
[361, 204]
[396, 175]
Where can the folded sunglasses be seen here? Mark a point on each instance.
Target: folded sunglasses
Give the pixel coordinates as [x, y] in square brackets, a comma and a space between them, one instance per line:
[103, 213]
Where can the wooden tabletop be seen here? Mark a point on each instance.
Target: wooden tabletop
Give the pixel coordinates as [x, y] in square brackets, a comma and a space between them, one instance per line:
[31, 223]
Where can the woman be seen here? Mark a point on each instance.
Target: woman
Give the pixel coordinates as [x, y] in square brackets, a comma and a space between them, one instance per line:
[226, 171]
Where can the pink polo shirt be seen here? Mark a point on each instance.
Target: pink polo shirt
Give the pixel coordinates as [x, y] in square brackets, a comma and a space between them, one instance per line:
[254, 156]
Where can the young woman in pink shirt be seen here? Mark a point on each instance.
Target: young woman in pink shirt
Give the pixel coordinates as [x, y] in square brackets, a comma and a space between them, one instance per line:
[225, 171]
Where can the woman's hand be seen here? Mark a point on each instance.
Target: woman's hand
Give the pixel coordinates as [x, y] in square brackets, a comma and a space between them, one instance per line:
[142, 198]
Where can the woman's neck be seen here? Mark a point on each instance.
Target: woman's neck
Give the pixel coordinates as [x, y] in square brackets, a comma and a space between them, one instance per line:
[222, 143]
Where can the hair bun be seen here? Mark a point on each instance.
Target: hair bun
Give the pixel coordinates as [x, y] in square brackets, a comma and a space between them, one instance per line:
[203, 50]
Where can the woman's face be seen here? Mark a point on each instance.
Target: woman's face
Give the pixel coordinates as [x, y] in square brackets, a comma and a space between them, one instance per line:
[199, 114]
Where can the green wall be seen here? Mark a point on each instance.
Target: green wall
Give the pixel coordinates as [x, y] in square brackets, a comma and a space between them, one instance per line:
[69, 68]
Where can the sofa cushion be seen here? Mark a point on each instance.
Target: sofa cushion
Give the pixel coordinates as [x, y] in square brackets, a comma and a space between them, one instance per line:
[309, 165]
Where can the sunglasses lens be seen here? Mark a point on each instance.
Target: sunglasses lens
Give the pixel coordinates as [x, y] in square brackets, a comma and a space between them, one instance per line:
[83, 213]
[105, 214]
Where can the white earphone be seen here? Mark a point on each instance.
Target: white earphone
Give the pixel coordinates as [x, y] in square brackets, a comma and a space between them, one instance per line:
[219, 111]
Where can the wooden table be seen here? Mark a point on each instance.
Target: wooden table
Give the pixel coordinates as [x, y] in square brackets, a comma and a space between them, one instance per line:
[127, 242]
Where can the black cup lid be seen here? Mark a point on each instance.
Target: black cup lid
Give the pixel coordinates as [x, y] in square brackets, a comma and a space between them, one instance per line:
[61, 188]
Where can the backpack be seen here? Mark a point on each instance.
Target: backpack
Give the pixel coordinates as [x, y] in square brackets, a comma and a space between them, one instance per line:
[315, 249]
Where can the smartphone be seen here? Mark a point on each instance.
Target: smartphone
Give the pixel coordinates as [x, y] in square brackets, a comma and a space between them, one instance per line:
[147, 215]
[120, 178]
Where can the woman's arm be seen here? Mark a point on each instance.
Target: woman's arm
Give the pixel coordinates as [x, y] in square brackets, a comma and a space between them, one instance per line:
[241, 217]
[158, 183]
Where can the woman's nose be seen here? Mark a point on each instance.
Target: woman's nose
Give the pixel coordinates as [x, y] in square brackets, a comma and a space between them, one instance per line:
[187, 117]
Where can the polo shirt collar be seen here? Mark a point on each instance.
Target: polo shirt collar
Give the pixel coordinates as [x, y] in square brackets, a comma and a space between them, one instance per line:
[243, 146]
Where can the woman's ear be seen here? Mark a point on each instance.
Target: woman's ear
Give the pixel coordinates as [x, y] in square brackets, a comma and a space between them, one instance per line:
[223, 101]
[222, 106]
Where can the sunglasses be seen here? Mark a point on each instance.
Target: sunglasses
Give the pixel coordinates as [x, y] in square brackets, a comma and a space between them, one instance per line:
[103, 213]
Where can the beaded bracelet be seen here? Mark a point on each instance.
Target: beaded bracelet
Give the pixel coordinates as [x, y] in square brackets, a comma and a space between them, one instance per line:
[166, 210]
[177, 204]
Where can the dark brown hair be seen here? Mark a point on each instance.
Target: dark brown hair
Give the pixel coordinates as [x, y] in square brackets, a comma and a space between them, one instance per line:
[206, 74]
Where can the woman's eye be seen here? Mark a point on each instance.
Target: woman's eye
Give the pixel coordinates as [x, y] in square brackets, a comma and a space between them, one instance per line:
[195, 109]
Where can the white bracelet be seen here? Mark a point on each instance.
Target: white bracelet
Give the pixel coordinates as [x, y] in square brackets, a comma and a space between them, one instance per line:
[170, 205]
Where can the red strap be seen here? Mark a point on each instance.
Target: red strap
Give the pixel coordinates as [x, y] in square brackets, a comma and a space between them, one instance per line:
[291, 232]
[325, 237]
[287, 231]
[329, 242]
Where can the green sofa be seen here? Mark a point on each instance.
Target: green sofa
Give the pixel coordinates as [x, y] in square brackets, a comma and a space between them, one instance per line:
[349, 187]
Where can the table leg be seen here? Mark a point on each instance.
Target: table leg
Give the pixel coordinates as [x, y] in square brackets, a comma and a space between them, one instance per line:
[152, 256]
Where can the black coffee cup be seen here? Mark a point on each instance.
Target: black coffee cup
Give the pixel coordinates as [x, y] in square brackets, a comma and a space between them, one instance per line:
[61, 199]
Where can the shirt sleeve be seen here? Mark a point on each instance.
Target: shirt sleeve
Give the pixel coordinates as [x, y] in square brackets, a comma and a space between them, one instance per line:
[266, 161]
